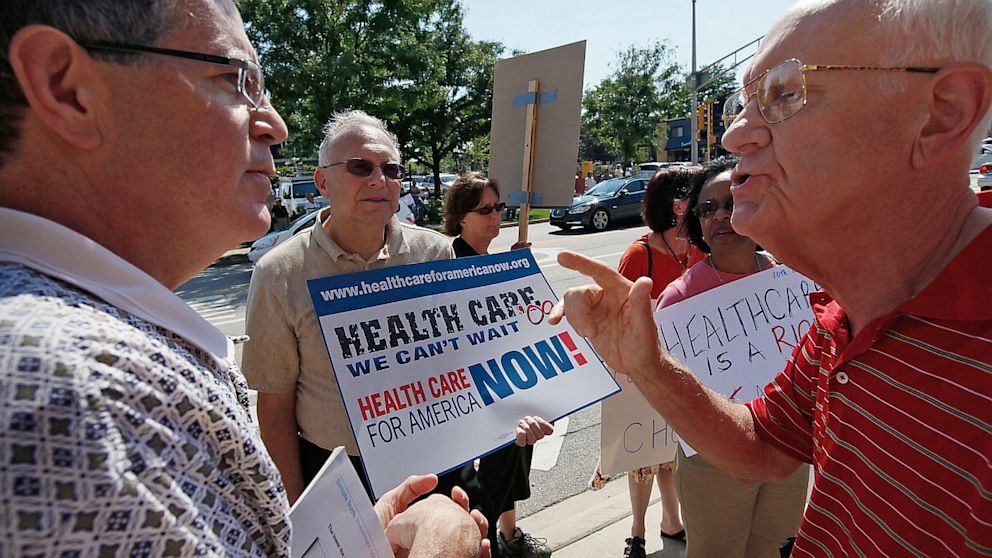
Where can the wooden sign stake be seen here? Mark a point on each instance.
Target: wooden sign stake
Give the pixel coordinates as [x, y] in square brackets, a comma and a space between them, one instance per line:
[530, 145]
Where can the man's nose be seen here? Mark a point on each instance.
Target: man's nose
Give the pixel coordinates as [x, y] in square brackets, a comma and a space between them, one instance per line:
[748, 131]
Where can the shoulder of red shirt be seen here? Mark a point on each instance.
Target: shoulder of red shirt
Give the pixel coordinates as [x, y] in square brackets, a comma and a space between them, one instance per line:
[958, 293]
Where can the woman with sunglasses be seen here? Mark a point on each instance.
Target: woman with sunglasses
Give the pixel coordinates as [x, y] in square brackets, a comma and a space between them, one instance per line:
[723, 516]
[472, 213]
[662, 254]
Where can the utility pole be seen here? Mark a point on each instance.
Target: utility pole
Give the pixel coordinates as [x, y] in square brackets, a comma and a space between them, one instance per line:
[694, 124]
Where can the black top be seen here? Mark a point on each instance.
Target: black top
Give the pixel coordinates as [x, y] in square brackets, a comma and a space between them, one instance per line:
[462, 248]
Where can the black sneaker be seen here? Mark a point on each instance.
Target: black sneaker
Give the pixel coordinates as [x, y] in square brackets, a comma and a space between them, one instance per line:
[522, 545]
[635, 548]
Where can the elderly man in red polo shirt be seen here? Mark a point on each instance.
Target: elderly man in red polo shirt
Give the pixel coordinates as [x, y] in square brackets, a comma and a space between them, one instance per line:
[889, 395]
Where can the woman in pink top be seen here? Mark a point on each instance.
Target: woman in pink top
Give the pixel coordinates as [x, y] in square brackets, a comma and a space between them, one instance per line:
[663, 255]
[723, 516]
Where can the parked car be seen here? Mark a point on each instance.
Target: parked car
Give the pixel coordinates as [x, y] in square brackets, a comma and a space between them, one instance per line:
[302, 224]
[262, 246]
[647, 170]
[610, 200]
[983, 157]
[428, 182]
[985, 177]
[294, 189]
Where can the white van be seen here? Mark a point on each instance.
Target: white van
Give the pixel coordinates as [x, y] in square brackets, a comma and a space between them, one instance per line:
[647, 170]
[294, 189]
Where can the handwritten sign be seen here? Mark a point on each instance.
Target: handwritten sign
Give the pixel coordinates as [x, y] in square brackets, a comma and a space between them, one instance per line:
[735, 338]
[437, 361]
[633, 434]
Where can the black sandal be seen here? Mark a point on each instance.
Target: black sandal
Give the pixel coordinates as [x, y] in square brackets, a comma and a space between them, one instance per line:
[635, 548]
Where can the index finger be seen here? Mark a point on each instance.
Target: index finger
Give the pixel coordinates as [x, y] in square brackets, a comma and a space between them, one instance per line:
[602, 274]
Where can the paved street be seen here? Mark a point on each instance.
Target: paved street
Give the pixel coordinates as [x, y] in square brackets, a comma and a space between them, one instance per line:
[562, 463]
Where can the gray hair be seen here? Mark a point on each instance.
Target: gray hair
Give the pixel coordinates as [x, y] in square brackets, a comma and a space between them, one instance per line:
[140, 22]
[938, 33]
[921, 33]
[343, 123]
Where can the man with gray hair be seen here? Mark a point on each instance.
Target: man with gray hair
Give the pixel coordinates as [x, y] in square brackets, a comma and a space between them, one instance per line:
[125, 424]
[889, 395]
[300, 411]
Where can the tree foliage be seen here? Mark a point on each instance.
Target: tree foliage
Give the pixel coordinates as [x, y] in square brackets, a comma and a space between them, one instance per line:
[408, 62]
[644, 88]
[624, 109]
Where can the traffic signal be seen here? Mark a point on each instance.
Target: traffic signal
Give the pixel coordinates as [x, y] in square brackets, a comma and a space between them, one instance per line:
[705, 121]
[702, 115]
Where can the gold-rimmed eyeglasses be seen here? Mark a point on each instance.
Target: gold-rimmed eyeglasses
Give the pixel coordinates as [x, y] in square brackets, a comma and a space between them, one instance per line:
[250, 82]
[781, 90]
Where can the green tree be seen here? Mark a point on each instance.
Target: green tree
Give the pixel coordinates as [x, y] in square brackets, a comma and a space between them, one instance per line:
[678, 95]
[478, 152]
[454, 103]
[409, 62]
[645, 88]
[321, 56]
[625, 108]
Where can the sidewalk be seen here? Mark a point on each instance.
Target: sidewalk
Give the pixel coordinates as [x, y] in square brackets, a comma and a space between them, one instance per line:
[594, 524]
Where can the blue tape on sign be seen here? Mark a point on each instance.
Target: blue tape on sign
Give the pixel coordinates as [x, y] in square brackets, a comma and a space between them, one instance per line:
[519, 196]
[523, 99]
[527, 98]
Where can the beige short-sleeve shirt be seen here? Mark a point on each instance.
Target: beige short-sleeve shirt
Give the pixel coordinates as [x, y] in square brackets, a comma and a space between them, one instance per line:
[286, 351]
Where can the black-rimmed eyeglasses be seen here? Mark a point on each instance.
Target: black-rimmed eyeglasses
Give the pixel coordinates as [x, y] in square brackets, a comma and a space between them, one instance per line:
[251, 82]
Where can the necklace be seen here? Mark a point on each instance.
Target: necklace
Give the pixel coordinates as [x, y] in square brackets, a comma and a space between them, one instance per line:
[683, 261]
[757, 267]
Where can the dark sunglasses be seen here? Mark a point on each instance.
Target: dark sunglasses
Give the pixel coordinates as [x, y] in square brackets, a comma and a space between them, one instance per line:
[487, 209]
[363, 167]
[709, 208]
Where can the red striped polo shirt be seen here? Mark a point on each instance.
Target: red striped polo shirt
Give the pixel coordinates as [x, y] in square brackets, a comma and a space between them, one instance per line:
[897, 421]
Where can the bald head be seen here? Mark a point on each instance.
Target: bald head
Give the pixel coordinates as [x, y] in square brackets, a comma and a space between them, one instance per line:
[892, 33]
[912, 31]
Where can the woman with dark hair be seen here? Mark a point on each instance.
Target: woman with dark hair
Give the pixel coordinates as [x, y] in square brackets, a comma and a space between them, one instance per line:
[662, 254]
[723, 516]
[472, 214]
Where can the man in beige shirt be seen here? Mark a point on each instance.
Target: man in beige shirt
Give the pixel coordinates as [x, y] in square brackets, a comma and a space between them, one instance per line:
[300, 411]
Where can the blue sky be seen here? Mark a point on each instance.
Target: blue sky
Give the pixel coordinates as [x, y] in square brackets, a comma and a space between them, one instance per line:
[722, 26]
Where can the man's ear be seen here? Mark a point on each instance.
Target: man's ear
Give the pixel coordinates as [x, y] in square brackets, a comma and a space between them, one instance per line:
[319, 178]
[56, 76]
[959, 98]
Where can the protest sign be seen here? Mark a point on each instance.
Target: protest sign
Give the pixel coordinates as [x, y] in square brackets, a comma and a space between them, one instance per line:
[633, 434]
[551, 143]
[333, 518]
[735, 338]
[436, 362]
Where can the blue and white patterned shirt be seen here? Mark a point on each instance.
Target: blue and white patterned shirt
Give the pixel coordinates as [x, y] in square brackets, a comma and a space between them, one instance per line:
[118, 436]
